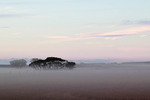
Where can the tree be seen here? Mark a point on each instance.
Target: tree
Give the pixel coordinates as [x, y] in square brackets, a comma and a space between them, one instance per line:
[52, 63]
[34, 59]
[70, 65]
[18, 63]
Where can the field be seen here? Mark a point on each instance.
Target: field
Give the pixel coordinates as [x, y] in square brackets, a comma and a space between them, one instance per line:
[85, 82]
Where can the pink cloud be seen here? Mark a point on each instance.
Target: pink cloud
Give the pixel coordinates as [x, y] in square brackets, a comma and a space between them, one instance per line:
[120, 33]
[145, 36]
[112, 38]
[69, 37]
[107, 35]
[59, 37]
[136, 30]
[65, 37]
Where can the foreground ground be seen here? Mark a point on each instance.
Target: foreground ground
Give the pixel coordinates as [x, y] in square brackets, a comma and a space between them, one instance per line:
[86, 82]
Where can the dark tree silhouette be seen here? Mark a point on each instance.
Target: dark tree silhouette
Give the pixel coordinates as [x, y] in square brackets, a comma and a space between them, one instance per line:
[53, 59]
[52, 63]
[34, 59]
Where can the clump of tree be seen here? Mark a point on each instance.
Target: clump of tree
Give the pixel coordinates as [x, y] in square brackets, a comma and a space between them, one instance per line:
[51, 63]
[18, 63]
[34, 59]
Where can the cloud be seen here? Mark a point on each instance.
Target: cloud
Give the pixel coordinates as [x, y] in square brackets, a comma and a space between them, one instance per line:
[84, 37]
[4, 27]
[60, 37]
[36, 16]
[10, 15]
[67, 37]
[144, 22]
[107, 35]
[18, 15]
[141, 22]
[10, 12]
[130, 31]
[19, 3]
[122, 33]
[112, 38]
[145, 36]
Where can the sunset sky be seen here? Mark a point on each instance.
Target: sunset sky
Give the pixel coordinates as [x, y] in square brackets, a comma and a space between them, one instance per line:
[75, 29]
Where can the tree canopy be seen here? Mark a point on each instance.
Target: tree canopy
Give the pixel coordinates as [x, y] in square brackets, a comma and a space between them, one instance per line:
[18, 63]
[52, 63]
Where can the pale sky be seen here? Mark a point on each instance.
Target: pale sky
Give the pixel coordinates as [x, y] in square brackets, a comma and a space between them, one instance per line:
[75, 29]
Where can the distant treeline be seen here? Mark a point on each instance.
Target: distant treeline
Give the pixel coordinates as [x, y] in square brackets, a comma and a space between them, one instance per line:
[48, 63]
[146, 62]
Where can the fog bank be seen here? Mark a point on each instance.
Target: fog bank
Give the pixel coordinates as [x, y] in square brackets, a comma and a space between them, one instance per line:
[85, 82]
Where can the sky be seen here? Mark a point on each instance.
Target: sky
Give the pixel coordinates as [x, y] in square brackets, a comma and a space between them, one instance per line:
[75, 29]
